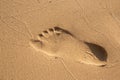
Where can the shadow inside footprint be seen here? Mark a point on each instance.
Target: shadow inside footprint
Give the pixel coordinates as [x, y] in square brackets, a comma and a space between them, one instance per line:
[63, 30]
[98, 51]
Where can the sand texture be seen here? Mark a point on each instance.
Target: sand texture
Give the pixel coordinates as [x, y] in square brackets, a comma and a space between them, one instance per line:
[59, 39]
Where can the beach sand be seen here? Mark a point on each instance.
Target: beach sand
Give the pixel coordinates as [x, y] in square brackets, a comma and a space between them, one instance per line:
[92, 21]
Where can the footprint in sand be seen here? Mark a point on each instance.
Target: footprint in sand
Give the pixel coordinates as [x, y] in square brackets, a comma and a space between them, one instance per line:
[60, 43]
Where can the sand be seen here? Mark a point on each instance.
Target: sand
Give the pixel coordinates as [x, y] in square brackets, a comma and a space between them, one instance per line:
[92, 21]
